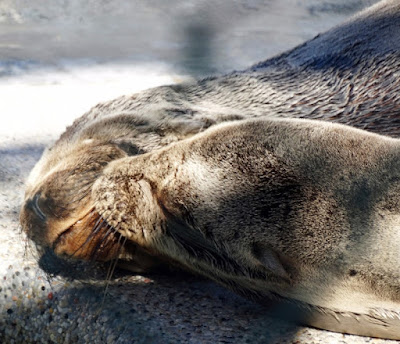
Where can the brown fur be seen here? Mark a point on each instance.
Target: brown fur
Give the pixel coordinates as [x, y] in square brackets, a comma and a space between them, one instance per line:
[251, 206]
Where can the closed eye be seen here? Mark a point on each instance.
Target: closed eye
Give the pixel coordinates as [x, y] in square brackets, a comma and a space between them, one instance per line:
[35, 207]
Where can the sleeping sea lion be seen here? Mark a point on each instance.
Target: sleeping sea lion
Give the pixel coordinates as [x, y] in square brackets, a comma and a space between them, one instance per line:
[347, 75]
[274, 208]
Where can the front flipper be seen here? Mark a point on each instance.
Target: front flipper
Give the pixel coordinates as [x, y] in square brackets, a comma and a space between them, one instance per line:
[202, 251]
[254, 265]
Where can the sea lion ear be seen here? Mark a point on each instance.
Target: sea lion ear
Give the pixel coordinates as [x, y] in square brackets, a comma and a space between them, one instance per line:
[269, 259]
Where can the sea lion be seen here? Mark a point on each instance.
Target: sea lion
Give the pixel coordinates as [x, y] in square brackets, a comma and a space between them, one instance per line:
[347, 75]
[292, 209]
[289, 209]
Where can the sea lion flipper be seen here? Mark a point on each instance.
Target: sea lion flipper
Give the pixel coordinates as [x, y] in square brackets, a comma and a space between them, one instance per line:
[203, 251]
[196, 244]
[269, 259]
[191, 239]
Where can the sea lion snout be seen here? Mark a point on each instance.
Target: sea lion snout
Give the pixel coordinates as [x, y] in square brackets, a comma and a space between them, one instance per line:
[58, 211]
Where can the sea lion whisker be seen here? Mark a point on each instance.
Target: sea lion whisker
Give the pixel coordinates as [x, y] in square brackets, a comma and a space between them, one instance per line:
[97, 225]
[101, 221]
[102, 244]
[100, 225]
[29, 249]
[82, 194]
[111, 269]
[110, 272]
[82, 184]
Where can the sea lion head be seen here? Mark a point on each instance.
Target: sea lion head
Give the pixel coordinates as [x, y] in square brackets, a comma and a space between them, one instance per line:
[59, 216]
[58, 211]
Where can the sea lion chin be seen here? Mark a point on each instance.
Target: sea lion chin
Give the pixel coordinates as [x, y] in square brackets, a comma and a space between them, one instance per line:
[88, 199]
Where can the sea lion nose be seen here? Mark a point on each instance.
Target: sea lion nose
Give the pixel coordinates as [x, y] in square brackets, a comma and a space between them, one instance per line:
[32, 205]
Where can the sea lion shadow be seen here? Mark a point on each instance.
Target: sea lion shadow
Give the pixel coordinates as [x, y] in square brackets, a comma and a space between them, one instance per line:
[158, 305]
[165, 300]
[157, 300]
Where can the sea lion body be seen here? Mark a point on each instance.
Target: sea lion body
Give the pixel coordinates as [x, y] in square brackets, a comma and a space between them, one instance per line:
[348, 75]
[251, 206]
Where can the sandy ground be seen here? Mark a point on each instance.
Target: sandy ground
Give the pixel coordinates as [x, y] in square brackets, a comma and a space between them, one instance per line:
[48, 80]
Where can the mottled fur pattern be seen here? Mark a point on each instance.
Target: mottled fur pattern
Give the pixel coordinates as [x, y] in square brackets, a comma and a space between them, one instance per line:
[140, 168]
[250, 187]
[298, 208]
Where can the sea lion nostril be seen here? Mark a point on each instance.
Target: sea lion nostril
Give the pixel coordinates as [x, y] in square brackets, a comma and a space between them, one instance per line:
[34, 206]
